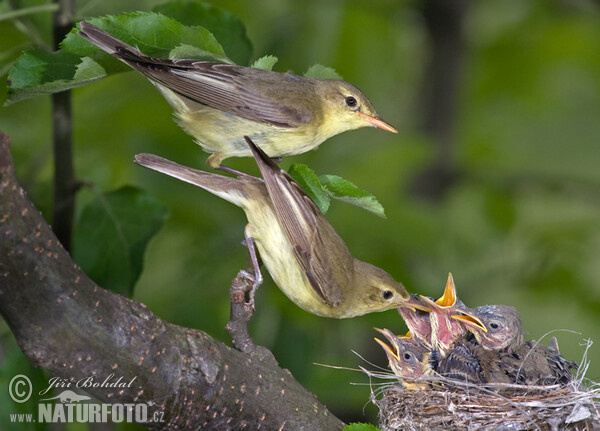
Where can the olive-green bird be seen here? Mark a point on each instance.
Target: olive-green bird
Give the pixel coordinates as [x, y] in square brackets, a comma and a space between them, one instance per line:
[304, 255]
[218, 104]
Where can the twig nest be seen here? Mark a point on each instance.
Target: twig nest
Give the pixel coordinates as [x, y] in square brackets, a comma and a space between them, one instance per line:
[443, 404]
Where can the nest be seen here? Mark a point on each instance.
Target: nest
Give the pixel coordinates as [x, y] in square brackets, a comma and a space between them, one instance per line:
[443, 403]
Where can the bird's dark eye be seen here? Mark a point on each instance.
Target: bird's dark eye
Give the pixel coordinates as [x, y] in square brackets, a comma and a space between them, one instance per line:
[387, 294]
[407, 356]
[351, 101]
[494, 325]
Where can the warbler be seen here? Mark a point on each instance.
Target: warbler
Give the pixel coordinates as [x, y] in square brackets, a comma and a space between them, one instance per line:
[407, 358]
[303, 253]
[467, 360]
[444, 329]
[219, 103]
[415, 314]
[503, 329]
[523, 362]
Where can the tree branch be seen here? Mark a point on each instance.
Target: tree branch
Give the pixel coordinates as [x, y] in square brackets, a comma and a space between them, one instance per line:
[68, 325]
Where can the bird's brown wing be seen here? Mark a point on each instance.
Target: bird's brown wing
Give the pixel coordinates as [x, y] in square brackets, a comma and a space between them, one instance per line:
[319, 250]
[239, 90]
[461, 363]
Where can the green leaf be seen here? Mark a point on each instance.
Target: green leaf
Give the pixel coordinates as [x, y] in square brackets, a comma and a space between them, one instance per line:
[266, 63]
[38, 72]
[361, 427]
[322, 72]
[38, 65]
[226, 27]
[309, 181]
[88, 69]
[111, 235]
[152, 33]
[343, 190]
[191, 52]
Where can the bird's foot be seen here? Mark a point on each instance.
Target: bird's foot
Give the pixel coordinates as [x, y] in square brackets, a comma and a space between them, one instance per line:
[255, 276]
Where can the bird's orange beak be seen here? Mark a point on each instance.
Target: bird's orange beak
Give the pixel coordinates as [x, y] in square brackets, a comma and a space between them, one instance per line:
[377, 122]
[414, 303]
[391, 352]
[470, 321]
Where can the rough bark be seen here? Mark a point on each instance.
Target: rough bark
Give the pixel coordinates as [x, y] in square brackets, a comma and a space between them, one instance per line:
[68, 325]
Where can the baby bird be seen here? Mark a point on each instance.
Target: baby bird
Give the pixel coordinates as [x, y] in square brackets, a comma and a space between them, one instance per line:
[444, 329]
[408, 359]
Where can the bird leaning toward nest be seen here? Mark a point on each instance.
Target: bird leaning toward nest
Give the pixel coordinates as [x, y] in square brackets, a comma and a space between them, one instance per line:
[303, 253]
[218, 103]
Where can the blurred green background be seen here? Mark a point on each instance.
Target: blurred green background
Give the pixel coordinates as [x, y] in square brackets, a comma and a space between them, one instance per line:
[494, 176]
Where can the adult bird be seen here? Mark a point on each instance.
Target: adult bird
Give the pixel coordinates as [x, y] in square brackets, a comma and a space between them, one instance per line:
[305, 256]
[219, 103]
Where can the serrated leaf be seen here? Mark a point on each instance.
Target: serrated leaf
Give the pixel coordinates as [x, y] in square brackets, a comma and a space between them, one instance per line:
[88, 69]
[309, 181]
[361, 427]
[227, 28]
[266, 62]
[39, 72]
[38, 65]
[111, 235]
[341, 189]
[191, 52]
[152, 33]
[322, 72]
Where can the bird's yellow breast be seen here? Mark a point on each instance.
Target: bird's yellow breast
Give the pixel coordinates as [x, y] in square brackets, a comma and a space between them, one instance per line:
[279, 259]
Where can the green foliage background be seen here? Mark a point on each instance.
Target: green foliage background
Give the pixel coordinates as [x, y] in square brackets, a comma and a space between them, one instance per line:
[521, 226]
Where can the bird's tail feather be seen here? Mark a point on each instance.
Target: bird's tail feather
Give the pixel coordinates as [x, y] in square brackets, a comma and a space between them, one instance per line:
[108, 43]
[231, 189]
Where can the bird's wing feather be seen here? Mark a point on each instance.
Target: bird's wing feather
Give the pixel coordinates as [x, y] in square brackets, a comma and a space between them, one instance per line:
[318, 249]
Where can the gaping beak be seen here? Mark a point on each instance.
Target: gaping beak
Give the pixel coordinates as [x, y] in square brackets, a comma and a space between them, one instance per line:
[470, 321]
[377, 122]
[448, 299]
[415, 303]
[391, 352]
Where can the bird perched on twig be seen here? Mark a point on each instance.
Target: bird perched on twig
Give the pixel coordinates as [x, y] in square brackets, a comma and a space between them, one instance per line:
[303, 253]
[218, 103]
